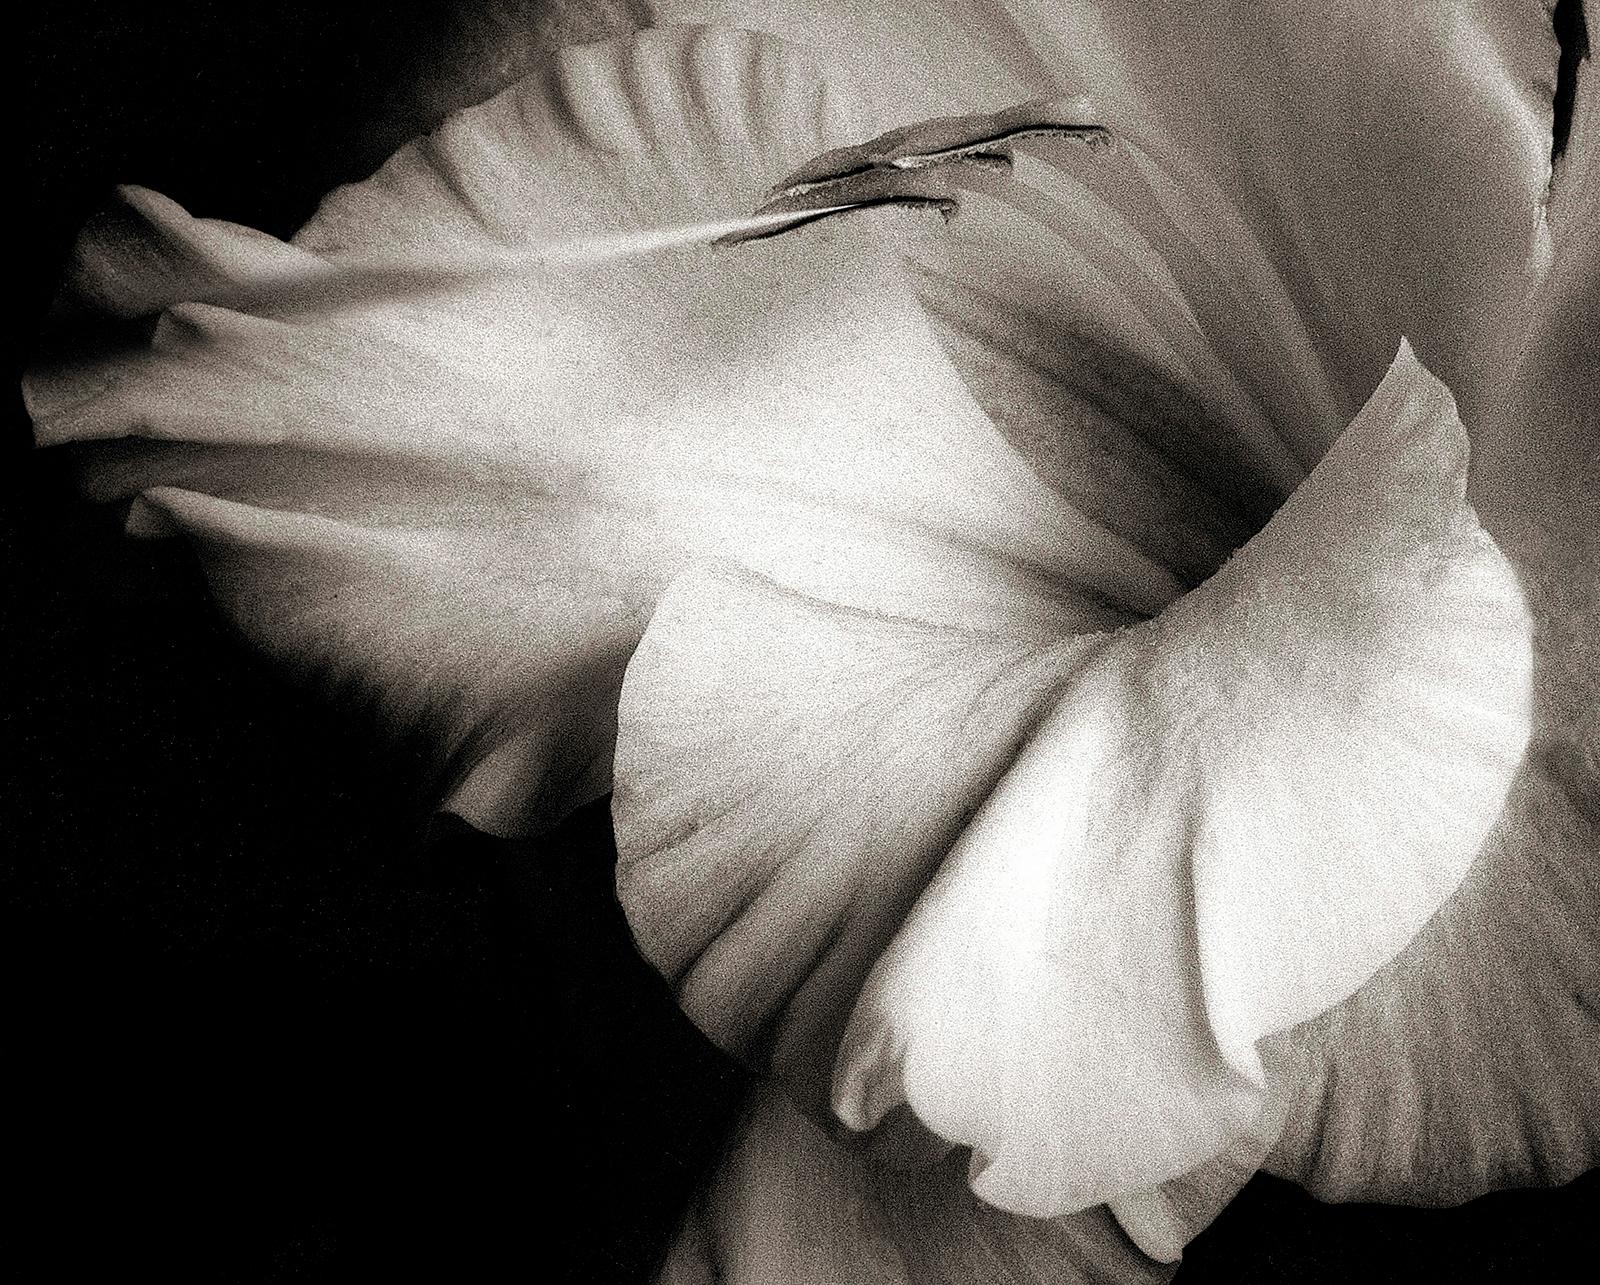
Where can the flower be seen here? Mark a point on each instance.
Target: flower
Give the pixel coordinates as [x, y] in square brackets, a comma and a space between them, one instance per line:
[962, 777]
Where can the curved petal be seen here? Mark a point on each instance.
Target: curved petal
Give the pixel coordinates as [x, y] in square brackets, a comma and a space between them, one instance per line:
[789, 774]
[1469, 1064]
[1472, 1062]
[1393, 161]
[790, 1206]
[447, 447]
[947, 57]
[1082, 272]
[469, 50]
[1225, 822]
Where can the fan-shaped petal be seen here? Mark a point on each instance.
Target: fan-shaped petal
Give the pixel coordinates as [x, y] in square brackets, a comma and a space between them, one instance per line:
[447, 447]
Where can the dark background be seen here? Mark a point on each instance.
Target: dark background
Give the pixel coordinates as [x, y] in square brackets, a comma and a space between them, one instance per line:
[260, 1024]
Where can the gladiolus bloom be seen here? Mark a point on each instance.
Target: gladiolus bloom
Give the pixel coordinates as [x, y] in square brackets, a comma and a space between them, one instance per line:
[1070, 531]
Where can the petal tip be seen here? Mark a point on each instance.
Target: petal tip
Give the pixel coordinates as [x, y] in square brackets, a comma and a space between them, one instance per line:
[148, 520]
[869, 1084]
[1150, 1222]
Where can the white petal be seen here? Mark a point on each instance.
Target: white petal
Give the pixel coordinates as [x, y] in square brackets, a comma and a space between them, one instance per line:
[1232, 817]
[1472, 1062]
[788, 775]
[790, 1206]
[1229, 819]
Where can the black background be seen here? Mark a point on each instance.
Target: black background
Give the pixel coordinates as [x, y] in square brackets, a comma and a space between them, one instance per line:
[257, 1028]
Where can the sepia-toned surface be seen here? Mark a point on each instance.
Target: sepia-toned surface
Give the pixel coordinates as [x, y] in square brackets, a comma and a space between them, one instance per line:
[213, 946]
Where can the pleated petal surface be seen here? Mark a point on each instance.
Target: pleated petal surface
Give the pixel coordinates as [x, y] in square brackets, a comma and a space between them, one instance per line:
[444, 450]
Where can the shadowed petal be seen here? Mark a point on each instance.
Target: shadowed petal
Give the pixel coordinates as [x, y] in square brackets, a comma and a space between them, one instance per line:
[448, 448]
[468, 50]
[1472, 1062]
[1083, 280]
[1393, 160]
[790, 1206]
[789, 775]
[1228, 821]
[1448, 1074]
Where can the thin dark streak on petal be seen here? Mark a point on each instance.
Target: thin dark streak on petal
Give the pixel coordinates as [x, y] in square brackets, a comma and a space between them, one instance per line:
[1097, 138]
[1573, 35]
[946, 208]
[988, 147]
[783, 191]
[932, 142]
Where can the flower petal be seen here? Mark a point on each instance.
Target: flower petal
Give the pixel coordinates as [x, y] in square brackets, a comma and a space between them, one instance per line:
[446, 448]
[1468, 1064]
[1393, 161]
[789, 1205]
[947, 57]
[467, 51]
[1071, 247]
[1472, 1062]
[1259, 768]
[1227, 820]
[788, 775]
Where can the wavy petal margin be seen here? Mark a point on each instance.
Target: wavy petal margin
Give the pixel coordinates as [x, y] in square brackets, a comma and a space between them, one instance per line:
[444, 451]
[791, 1206]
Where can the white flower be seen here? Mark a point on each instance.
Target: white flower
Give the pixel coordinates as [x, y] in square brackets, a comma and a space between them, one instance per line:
[962, 777]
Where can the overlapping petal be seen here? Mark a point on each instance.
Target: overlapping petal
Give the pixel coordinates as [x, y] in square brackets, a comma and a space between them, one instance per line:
[1473, 1061]
[1447, 1075]
[450, 447]
[790, 1204]
[1393, 159]
[1219, 823]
